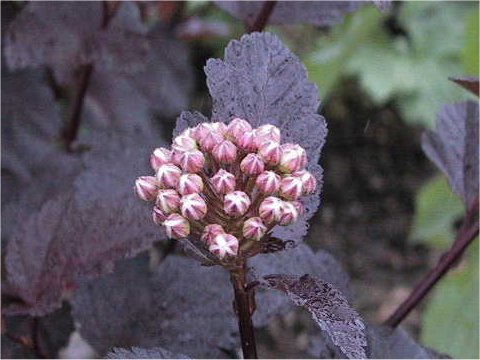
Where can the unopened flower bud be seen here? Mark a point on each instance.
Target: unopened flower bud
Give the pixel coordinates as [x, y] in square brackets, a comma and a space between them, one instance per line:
[224, 245]
[184, 143]
[293, 158]
[291, 187]
[209, 140]
[237, 128]
[191, 161]
[176, 226]
[146, 188]
[159, 157]
[158, 216]
[236, 203]
[210, 231]
[299, 206]
[308, 180]
[193, 207]
[168, 201]
[254, 229]
[269, 151]
[267, 132]
[268, 182]
[252, 164]
[289, 215]
[248, 141]
[190, 184]
[271, 209]
[168, 175]
[225, 152]
[220, 127]
[223, 182]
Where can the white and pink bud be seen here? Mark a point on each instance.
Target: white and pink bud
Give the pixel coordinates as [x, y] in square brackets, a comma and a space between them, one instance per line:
[252, 164]
[289, 215]
[146, 188]
[191, 161]
[308, 180]
[223, 182]
[293, 158]
[254, 229]
[190, 184]
[271, 209]
[236, 203]
[225, 152]
[267, 132]
[237, 128]
[248, 141]
[270, 152]
[220, 127]
[209, 140]
[210, 231]
[291, 187]
[224, 245]
[158, 216]
[299, 206]
[193, 207]
[268, 182]
[168, 201]
[168, 175]
[159, 157]
[176, 226]
[184, 143]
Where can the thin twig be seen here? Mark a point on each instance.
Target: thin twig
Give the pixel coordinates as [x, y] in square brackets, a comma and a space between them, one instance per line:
[244, 307]
[262, 17]
[466, 234]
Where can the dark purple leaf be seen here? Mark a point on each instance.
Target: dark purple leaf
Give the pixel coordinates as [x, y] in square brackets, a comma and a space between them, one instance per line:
[299, 260]
[453, 147]
[469, 83]
[319, 13]
[180, 305]
[140, 353]
[329, 309]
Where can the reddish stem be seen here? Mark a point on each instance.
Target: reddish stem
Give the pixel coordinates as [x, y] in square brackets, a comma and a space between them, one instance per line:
[262, 18]
[466, 234]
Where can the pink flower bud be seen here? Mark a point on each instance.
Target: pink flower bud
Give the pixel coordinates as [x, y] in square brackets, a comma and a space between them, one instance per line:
[267, 132]
[268, 182]
[193, 207]
[291, 187]
[248, 142]
[236, 203]
[184, 143]
[191, 161]
[223, 182]
[168, 201]
[159, 157]
[209, 140]
[224, 245]
[146, 188]
[252, 164]
[190, 184]
[237, 128]
[308, 180]
[201, 129]
[176, 226]
[289, 215]
[254, 229]
[209, 232]
[299, 206]
[220, 127]
[271, 209]
[225, 152]
[269, 151]
[168, 175]
[293, 158]
[158, 216]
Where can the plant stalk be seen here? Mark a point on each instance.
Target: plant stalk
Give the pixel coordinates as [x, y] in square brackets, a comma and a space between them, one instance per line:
[262, 18]
[244, 306]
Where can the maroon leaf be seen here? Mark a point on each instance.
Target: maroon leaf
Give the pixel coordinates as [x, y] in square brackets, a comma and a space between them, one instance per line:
[469, 83]
[329, 309]
[453, 147]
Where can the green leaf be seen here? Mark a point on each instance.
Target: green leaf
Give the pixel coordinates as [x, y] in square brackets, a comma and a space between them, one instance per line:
[450, 322]
[470, 51]
[436, 209]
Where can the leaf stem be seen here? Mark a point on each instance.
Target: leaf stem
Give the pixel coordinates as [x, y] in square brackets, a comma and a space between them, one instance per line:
[244, 307]
[262, 18]
[465, 235]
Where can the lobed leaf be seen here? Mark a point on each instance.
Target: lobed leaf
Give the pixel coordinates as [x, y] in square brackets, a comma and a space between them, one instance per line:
[453, 147]
[329, 309]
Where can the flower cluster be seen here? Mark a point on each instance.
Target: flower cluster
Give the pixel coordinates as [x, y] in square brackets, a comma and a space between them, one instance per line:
[227, 185]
